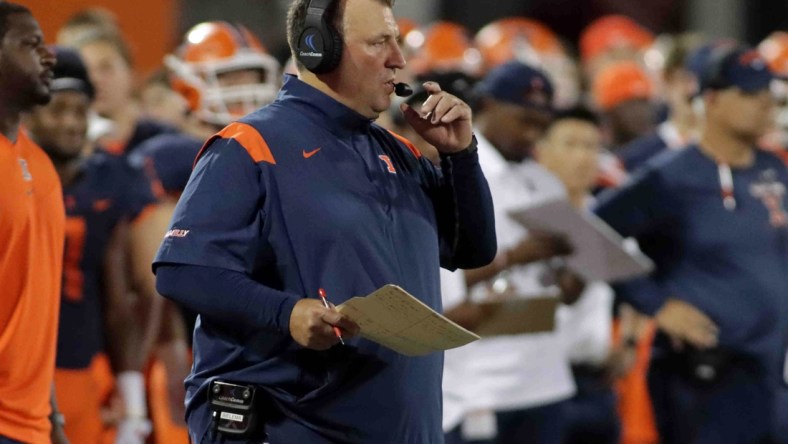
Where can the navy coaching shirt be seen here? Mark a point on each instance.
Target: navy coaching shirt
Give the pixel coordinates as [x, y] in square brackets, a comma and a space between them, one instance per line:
[732, 265]
[306, 194]
[639, 151]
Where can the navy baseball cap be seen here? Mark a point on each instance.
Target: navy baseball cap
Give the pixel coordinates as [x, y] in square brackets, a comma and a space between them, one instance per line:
[698, 59]
[70, 73]
[739, 67]
[517, 83]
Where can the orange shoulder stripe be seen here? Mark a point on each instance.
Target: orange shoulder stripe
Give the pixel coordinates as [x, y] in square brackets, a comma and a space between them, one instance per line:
[250, 139]
[407, 143]
[247, 137]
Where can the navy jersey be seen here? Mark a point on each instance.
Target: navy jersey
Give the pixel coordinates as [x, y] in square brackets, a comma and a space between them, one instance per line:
[106, 191]
[731, 264]
[639, 151]
[143, 130]
[306, 194]
[169, 158]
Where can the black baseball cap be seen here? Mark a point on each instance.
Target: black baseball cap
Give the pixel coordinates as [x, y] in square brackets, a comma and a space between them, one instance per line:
[70, 73]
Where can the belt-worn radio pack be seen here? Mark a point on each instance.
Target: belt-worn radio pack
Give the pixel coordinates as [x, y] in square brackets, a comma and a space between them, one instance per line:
[237, 410]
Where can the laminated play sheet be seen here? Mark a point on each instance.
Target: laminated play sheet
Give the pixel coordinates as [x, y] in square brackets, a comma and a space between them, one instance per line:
[394, 318]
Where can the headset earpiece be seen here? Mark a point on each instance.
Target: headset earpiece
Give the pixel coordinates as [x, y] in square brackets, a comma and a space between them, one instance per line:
[319, 45]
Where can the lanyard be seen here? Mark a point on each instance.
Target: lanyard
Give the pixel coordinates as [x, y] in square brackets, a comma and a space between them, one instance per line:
[726, 186]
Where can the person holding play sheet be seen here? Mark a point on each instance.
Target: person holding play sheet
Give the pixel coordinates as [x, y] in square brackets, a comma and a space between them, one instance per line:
[511, 388]
[570, 150]
[308, 193]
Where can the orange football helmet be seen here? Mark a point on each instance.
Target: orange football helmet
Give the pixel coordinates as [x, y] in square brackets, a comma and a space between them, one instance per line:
[515, 38]
[612, 33]
[775, 50]
[620, 82]
[201, 66]
[442, 47]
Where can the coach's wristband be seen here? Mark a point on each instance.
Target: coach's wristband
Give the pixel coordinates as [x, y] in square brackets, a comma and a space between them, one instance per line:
[470, 149]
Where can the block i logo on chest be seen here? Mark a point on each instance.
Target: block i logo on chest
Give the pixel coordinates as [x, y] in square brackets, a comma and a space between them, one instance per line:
[389, 164]
[771, 193]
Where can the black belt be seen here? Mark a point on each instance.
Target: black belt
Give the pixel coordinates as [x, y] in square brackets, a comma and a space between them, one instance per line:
[706, 367]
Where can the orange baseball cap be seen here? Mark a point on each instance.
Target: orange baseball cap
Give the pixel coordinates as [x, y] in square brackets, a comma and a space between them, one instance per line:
[611, 32]
[620, 82]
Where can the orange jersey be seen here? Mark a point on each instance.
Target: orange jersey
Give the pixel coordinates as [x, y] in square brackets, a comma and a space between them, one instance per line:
[81, 395]
[32, 220]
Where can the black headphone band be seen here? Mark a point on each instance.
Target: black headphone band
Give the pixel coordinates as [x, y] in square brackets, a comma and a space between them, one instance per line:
[318, 7]
[316, 14]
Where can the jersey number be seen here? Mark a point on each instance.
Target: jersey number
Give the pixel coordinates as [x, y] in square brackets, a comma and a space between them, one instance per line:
[73, 279]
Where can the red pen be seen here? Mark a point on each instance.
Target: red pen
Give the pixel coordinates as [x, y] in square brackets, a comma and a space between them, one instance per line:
[337, 332]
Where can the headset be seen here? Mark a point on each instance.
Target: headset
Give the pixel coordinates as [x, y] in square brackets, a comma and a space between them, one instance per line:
[320, 45]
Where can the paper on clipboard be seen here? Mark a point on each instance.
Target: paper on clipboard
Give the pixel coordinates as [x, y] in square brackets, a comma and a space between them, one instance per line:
[394, 318]
[600, 254]
[518, 316]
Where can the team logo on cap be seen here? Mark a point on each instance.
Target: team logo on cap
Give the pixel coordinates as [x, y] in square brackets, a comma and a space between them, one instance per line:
[536, 93]
[753, 60]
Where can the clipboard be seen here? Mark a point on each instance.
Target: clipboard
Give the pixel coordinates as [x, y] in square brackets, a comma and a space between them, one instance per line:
[394, 318]
[600, 254]
[518, 316]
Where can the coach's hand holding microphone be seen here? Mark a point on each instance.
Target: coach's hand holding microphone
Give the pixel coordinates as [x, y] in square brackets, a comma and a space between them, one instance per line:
[443, 120]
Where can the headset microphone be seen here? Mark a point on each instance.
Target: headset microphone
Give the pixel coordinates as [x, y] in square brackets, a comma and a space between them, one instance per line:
[402, 89]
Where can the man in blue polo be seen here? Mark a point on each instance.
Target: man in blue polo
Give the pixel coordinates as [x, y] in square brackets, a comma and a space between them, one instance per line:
[714, 218]
[307, 194]
[683, 66]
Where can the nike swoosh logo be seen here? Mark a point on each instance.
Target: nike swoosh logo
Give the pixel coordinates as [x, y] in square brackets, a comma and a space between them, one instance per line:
[308, 154]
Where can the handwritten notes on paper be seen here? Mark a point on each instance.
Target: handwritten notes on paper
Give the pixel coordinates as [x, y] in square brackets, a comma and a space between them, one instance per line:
[394, 318]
